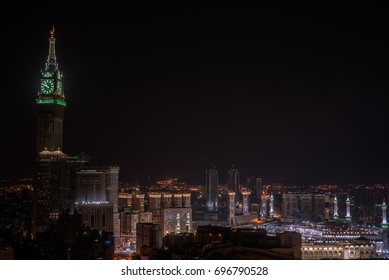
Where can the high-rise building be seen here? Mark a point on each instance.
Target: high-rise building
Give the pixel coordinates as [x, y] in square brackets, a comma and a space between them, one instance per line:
[264, 212]
[48, 189]
[155, 206]
[306, 206]
[128, 220]
[290, 206]
[137, 201]
[319, 209]
[186, 200]
[328, 205]
[231, 208]
[148, 236]
[233, 183]
[97, 185]
[63, 180]
[51, 104]
[212, 193]
[145, 217]
[255, 185]
[50, 163]
[245, 202]
[99, 216]
[167, 200]
[73, 163]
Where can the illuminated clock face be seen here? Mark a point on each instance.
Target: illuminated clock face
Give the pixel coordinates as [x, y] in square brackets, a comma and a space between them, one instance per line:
[59, 87]
[47, 86]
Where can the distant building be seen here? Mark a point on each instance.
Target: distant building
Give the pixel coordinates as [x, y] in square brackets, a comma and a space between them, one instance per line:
[271, 212]
[357, 250]
[97, 185]
[233, 183]
[264, 206]
[99, 216]
[148, 236]
[255, 187]
[137, 201]
[128, 220]
[306, 206]
[212, 193]
[384, 224]
[289, 206]
[231, 208]
[167, 200]
[176, 220]
[319, 209]
[245, 202]
[145, 217]
[155, 206]
[185, 200]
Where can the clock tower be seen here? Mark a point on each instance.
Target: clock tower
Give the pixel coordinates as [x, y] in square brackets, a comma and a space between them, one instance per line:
[50, 188]
[51, 103]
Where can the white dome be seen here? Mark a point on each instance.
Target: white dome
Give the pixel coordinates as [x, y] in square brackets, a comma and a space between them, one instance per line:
[58, 153]
[45, 152]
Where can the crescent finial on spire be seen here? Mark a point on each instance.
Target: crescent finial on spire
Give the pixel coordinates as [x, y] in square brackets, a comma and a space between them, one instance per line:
[51, 60]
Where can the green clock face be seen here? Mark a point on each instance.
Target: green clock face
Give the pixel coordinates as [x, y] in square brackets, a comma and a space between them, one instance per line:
[47, 86]
[59, 87]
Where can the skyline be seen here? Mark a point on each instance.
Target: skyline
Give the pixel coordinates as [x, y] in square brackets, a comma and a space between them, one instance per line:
[217, 84]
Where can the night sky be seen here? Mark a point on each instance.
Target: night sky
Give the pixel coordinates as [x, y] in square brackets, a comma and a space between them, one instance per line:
[291, 93]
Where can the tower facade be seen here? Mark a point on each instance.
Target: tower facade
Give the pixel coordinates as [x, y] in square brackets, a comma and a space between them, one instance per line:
[48, 189]
[290, 205]
[384, 224]
[254, 186]
[336, 215]
[348, 213]
[212, 194]
[271, 212]
[51, 104]
[50, 162]
[245, 202]
[231, 208]
[264, 205]
[233, 183]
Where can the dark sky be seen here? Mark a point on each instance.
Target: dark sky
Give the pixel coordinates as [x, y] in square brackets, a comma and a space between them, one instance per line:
[288, 92]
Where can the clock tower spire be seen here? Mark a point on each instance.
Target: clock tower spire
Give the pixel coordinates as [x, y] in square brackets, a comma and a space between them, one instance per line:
[51, 63]
[51, 103]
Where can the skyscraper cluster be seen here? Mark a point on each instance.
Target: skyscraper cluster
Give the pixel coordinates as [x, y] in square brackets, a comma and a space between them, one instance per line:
[241, 200]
